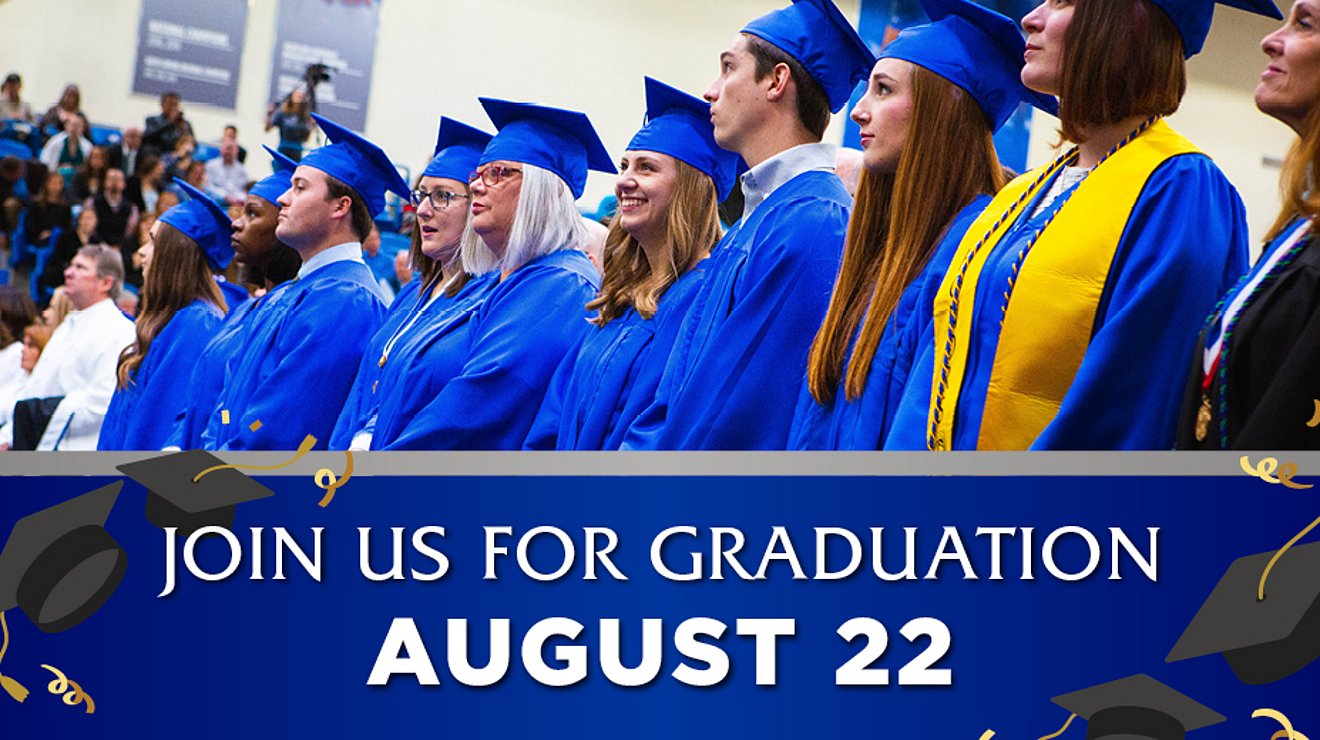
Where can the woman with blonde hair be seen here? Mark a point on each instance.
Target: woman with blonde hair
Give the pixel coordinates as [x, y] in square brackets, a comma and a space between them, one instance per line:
[935, 98]
[181, 309]
[671, 182]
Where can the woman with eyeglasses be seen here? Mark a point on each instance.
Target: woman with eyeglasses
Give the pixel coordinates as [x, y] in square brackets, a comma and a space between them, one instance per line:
[1068, 310]
[934, 100]
[672, 180]
[1256, 367]
[476, 380]
[441, 198]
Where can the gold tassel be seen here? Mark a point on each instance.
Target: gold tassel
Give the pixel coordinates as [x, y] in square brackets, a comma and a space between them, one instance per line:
[11, 687]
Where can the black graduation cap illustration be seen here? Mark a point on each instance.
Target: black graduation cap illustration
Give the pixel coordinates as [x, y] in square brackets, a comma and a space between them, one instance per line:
[59, 565]
[1137, 707]
[1262, 640]
[176, 497]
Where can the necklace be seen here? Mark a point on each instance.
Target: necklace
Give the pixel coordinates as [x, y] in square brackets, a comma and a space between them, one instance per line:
[423, 299]
[945, 366]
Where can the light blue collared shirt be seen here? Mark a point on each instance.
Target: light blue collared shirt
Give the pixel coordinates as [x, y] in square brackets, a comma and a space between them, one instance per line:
[763, 179]
[346, 252]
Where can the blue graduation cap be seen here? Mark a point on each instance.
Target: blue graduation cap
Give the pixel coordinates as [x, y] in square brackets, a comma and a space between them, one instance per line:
[815, 33]
[562, 141]
[679, 125]
[201, 219]
[1192, 17]
[357, 163]
[271, 187]
[458, 148]
[976, 49]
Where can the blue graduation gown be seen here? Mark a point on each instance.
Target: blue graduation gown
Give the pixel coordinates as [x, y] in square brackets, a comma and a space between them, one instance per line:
[602, 386]
[235, 295]
[141, 416]
[360, 405]
[732, 380]
[864, 423]
[298, 361]
[208, 374]
[498, 378]
[1184, 246]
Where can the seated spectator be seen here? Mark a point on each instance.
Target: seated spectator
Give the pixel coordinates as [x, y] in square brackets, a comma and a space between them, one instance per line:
[144, 189]
[164, 131]
[180, 158]
[67, 150]
[127, 303]
[34, 339]
[68, 109]
[227, 176]
[48, 211]
[195, 176]
[169, 198]
[68, 245]
[16, 312]
[116, 215]
[53, 315]
[124, 155]
[231, 134]
[79, 364]
[12, 107]
[13, 195]
[88, 179]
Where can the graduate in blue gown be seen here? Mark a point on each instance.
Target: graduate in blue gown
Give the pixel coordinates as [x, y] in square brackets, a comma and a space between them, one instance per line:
[934, 100]
[732, 379]
[672, 173]
[181, 309]
[299, 357]
[267, 262]
[441, 199]
[487, 367]
[1069, 326]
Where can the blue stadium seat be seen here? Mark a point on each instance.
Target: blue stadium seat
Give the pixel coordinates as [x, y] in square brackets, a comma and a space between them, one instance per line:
[206, 152]
[105, 135]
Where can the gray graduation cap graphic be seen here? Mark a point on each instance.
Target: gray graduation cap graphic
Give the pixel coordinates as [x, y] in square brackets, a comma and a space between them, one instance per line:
[1262, 640]
[178, 497]
[1137, 707]
[59, 565]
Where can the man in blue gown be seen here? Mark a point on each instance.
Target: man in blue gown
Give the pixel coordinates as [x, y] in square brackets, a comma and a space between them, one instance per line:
[300, 356]
[732, 379]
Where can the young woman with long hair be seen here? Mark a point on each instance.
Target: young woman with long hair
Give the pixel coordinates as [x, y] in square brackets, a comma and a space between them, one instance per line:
[927, 120]
[1254, 380]
[181, 309]
[1071, 304]
[671, 182]
[476, 379]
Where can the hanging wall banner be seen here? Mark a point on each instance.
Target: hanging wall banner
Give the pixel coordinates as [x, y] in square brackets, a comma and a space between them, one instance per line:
[329, 45]
[192, 47]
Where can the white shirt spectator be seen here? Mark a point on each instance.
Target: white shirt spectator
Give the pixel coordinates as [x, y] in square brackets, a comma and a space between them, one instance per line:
[50, 153]
[79, 363]
[227, 181]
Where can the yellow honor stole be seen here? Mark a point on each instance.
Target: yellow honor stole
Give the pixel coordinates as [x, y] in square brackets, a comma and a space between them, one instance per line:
[1048, 325]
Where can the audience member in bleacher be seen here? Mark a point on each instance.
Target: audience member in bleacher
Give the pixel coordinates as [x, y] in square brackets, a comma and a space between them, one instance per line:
[48, 211]
[124, 155]
[164, 131]
[32, 341]
[68, 149]
[116, 216]
[76, 373]
[144, 189]
[13, 193]
[70, 241]
[294, 120]
[68, 109]
[12, 107]
[226, 176]
[16, 312]
[195, 176]
[87, 181]
[180, 158]
[231, 134]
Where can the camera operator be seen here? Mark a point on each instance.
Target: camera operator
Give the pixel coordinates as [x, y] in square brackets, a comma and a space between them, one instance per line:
[293, 115]
[164, 131]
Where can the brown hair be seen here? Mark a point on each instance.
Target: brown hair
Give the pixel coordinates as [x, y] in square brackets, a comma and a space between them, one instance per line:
[1295, 184]
[16, 312]
[1122, 58]
[897, 221]
[813, 106]
[361, 216]
[38, 334]
[694, 226]
[178, 276]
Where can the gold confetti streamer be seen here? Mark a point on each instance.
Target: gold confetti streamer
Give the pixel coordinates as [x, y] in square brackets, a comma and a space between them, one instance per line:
[307, 444]
[326, 480]
[254, 426]
[224, 416]
[1287, 733]
[991, 733]
[12, 687]
[72, 692]
[1315, 420]
[1266, 469]
[1260, 592]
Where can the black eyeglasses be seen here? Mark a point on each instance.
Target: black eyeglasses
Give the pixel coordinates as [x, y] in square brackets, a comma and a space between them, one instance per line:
[440, 199]
[493, 175]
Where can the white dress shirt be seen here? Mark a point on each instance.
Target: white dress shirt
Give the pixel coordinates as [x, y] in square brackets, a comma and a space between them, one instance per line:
[763, 179]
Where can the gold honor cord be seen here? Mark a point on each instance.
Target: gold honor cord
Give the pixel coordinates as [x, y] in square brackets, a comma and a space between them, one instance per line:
[326, 480]
[991, 733]
[1287, 733]
[1260, 592]
[72, 692]
[307, 444]
[12, 687]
